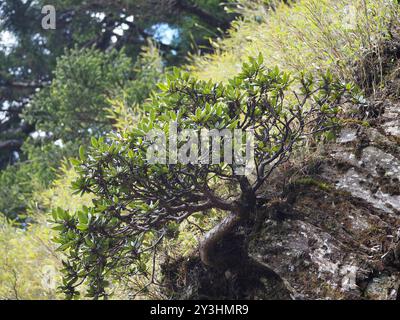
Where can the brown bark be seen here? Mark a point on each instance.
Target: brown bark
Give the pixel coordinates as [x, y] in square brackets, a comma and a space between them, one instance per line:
[243, 209]
[211, 239]
[11, 144]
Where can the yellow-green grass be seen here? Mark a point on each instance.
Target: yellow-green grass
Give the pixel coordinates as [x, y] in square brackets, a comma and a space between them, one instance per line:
[310, 35]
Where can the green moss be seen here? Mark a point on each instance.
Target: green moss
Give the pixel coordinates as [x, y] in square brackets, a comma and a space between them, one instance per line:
[362, 123]
[309, 181]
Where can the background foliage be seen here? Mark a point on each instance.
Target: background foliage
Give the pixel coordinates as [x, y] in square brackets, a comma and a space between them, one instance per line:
[58, 89]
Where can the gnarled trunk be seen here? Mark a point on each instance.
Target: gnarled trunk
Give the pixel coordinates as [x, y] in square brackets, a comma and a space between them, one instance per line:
[245, 207]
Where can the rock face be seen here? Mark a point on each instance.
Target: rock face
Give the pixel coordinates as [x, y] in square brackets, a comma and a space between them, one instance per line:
[334, 233]
[340, 236]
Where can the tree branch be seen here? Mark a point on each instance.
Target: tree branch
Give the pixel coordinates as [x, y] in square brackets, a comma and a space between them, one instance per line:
[190, 8]
[11, 144]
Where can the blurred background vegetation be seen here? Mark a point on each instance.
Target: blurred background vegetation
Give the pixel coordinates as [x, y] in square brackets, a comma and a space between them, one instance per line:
[90, 76]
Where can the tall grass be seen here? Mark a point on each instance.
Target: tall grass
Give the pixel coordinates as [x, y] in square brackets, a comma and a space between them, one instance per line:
[309, 35]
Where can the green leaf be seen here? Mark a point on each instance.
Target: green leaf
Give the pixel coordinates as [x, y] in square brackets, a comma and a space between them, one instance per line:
[94, 142]
[54, 215]
[82, 217]
[58, 228]
[62, 214]
[82, 227]
[74, 162]
[330, 135]
[82, 153]
[163, 86]
[260, 58]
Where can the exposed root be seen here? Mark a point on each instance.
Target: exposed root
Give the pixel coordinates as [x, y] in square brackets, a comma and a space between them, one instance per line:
[210, 241]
